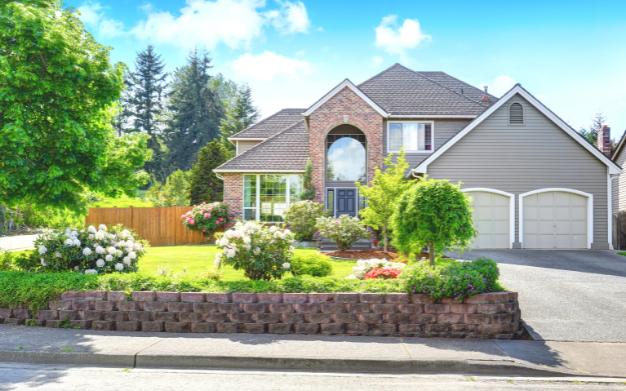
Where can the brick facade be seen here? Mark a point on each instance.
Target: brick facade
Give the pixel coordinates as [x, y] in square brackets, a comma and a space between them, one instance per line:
[490, 315]
[233, 192]
[344, 108]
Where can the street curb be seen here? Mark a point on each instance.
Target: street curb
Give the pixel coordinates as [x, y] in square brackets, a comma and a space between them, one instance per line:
[428, 366]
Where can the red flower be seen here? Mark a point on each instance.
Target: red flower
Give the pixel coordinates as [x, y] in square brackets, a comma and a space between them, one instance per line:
[383, 272]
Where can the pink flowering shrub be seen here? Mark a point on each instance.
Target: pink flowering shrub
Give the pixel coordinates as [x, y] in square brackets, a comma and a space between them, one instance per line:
[208, 218]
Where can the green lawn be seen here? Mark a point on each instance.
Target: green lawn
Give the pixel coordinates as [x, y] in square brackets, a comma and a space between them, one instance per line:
[194, 261]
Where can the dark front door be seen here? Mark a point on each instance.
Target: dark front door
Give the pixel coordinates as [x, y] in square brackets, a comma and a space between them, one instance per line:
[346, 202]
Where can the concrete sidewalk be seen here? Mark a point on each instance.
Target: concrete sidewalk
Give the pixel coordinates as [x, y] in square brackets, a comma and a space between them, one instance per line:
[311, 353]
[18, 242]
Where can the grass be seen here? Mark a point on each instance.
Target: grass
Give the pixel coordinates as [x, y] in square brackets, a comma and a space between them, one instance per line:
[121, 202]
[196, 261]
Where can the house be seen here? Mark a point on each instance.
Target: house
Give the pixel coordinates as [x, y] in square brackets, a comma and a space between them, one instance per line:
[534, 181]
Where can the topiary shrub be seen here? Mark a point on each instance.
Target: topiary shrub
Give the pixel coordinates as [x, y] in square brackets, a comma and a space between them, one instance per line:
[311, 264]
[344, 231]
[435, 214]
[301, 217]
[91, 251]
[452, 278]
[262, 252]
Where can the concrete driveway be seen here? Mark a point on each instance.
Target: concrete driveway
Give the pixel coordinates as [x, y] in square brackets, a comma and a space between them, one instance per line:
[566, 295]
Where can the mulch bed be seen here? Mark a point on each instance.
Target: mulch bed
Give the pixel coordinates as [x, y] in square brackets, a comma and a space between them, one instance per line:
[363, 254]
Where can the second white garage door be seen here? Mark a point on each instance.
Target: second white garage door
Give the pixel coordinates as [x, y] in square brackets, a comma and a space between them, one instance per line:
[492, 219]
[555, 220]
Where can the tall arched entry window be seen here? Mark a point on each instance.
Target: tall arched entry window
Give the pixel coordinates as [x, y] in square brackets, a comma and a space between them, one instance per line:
[346, 163]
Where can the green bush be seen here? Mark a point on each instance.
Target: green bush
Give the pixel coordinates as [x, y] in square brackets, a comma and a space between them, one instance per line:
[301, 217]
[452, 278]
[311, 264]
[344, 231]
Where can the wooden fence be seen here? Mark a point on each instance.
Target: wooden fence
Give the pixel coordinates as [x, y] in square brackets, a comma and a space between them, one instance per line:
[160, 226]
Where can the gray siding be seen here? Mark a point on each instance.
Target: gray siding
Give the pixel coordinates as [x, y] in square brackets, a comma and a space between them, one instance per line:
[444, 130]
[619, 185]
[521, 158]
[243, 146]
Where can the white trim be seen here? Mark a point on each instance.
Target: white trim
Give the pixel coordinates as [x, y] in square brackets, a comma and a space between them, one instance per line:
[511, 207]
[558, 189]
[236, 148]
[336, 90]
[236, 170]
[427, 116]
[518, 89]
[432, 135]
[247, 139]
[609, 200]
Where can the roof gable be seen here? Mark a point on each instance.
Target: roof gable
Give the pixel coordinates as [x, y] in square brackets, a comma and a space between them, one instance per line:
[619, 148]
[345, 84]
[518, 89]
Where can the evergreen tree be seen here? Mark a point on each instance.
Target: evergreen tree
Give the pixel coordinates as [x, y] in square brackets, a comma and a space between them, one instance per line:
[195, 112]
[240, 114]
[205, 185]
[142, 106]
[591, 134]
[308, 190]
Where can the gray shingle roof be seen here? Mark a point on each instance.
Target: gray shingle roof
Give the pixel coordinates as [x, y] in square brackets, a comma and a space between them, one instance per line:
[287, 150]
[402, 91]
[271, 125]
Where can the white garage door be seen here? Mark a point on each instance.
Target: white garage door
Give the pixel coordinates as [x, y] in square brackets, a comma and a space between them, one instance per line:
[491, 219]
[555, 220]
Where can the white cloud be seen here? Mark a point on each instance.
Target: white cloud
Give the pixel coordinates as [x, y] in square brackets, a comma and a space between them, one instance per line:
[269, 66]
[397, 39]
[377, 61]
[92, 14]
[500, 85]
[291, 18]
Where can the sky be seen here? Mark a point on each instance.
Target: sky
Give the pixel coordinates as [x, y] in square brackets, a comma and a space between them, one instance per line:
[569, 54]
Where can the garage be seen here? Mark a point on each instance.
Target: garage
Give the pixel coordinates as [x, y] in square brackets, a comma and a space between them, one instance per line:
[493, 215]
[556, 219]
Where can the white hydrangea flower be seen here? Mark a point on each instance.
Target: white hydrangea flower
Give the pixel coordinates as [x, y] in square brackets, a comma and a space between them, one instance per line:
[132, 255]
[230, 252]
[68, 242]
[57, 254]
[100, 262]
[138, 247]
[119, 253]
[91, 229]
[91, 271]
[111, 250]
[100, 235]
[43, 262]
[76, 243]
[119, 267]
[42, 250]
[286, 265]
[125, 234]
[126, 261]
[109, 258]
[87, 251]
[217, 262]
[100, 250]
[256, 251]
[102, 227]
[91, 237]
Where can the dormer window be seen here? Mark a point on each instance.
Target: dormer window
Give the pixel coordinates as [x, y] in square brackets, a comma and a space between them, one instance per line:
[516, 114]
[410, 136]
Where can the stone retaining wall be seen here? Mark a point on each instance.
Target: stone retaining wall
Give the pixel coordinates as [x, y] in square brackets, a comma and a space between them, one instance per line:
[490, 315]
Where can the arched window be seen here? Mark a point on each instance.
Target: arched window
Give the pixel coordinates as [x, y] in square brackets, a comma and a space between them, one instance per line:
[345, 155]
[516, 114]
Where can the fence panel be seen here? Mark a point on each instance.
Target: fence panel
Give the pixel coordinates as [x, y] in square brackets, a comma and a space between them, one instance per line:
[160, 226]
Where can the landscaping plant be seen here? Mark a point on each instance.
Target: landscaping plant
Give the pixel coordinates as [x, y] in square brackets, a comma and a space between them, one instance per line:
[311, 264]
[262, 252]
[90, 251]
[435, 214]
[366, 269]
[344, 231]
[207, 218]
[301, 218]
[384, 191]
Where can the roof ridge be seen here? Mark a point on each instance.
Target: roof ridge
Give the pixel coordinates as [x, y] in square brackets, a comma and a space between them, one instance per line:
[447, 88]
[260, 143]
[380, 73]
[459, 80]
[264, 120]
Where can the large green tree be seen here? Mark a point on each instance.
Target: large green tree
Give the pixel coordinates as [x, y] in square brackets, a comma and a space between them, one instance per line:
[195, 112]
[142, 106]
[239, 114]
[205, 185]
[57, 93]
[384, 191]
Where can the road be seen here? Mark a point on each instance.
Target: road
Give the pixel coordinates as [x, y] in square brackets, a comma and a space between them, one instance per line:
[40, 377]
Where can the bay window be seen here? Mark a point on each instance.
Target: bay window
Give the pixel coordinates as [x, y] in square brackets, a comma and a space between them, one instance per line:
[410, 136]
[267, 197]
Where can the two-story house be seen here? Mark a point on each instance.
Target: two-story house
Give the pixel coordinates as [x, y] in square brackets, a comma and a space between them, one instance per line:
[534, 181]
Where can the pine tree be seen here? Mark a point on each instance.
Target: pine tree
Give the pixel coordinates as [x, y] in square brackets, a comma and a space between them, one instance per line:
[240, 114]
[142, 106]
[195, 112]
[308, 190]
[591, 134]
[205, 185]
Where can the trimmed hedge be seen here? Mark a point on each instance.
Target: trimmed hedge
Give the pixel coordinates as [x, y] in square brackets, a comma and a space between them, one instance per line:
[311, 264]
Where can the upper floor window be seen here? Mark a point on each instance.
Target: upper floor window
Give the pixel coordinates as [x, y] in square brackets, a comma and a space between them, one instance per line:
[516, 114]
[410, 136]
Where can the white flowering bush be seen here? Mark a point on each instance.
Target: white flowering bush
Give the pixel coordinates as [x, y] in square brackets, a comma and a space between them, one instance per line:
[376, 268]
[90, 251]
[262, 252]
[344, 231]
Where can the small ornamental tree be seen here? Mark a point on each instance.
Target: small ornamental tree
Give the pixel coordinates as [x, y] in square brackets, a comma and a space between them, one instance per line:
[301, 218]
[308, 191]
[383, 192]
[435, 214]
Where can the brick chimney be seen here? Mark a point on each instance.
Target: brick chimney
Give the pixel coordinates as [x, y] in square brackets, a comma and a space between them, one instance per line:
[604, 140]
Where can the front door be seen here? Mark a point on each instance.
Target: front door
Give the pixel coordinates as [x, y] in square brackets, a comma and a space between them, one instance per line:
[346, 202]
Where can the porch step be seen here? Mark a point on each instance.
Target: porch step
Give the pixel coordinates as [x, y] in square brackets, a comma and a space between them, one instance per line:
[329, 245]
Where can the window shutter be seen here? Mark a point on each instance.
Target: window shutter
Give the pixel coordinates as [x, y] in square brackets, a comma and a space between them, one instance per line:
[516, 114]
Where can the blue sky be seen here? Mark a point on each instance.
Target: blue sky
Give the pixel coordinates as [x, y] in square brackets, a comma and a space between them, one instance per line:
[570, 54]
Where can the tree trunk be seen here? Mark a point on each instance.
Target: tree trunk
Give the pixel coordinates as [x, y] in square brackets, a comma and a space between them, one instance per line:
[431, 253]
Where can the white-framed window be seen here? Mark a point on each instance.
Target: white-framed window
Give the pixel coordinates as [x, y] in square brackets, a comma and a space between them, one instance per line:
[267, 197]
[411, 136]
